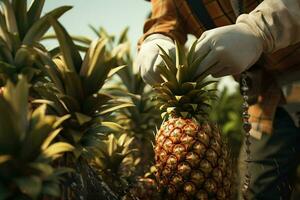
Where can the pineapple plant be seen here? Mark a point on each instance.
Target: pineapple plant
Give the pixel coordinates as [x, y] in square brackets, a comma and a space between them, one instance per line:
[192, 160]
[140, 120]
[115, 161]
[73, 87]
[21, 28]
[28, 147]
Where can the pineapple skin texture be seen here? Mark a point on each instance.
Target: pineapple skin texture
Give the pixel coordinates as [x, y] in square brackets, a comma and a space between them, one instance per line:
[192, 161]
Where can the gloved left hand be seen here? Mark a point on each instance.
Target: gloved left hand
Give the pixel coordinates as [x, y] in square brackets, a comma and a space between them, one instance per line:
[228, 50]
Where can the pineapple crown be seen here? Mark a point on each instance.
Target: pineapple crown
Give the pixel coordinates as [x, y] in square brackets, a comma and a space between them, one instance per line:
[183, 93]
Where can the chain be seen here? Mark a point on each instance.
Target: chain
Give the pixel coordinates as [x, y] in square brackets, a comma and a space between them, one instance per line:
[247, 128]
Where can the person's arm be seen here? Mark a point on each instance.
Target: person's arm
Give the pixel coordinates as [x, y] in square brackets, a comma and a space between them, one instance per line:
[277, 22]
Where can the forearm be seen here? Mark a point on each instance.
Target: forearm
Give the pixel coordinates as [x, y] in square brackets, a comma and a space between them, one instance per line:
[277, 22]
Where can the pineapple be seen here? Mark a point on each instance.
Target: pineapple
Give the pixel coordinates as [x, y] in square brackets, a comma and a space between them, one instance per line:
[27, 147]
[20, 30]
[192, 161]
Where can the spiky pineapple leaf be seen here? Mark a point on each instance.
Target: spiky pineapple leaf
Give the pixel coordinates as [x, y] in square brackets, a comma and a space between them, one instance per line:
[10, 17]
[35, 11]
[69, 51]
[20, 10]
[109, 109]
[17, 95]
[123, 36]
[115, 70]
[82, 118]
[113, 126]
[40, 27]
[57, 148]
[50, 138]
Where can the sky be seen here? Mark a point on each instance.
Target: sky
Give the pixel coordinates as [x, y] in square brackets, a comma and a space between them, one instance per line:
[113, 15]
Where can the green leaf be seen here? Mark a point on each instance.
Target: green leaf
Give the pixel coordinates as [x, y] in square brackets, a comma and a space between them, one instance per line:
[191, 55]
[57, 148]
[40, 27]
[50, 138]
[73, 85]
[10, 17]
[115, 70]
[35, 11]
[122, 139]
[5, 48]
[112, 145]
[7, 69]
[168, 61]
[30, 185]
[69, 51]
[60, 120]
[18, 97]
[45, 169]
[180, 55]
[49, 67]
[115, 108]
[123, 36]
[96, 67]
[113, 126]
[5, 38]
[20, 8]
[95, 31]
[9, 130]
[82, 118]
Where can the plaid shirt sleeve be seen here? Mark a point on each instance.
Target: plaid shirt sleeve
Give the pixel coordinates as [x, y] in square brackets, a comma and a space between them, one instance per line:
[172, 18]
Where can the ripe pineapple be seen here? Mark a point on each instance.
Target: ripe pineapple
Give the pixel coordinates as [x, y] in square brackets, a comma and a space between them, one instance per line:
[192, 161]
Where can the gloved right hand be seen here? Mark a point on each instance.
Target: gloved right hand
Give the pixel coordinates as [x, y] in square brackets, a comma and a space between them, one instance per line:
[148, 57]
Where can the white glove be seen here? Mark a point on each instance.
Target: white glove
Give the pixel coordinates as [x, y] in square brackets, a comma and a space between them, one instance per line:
[228, 50]
[148, 57]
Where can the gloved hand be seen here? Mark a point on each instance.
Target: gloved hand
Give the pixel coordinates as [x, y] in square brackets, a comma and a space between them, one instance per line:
[148, 57]
[228, 50]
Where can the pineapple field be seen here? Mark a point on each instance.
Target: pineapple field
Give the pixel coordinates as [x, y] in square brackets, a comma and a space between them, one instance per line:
[77, 122]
